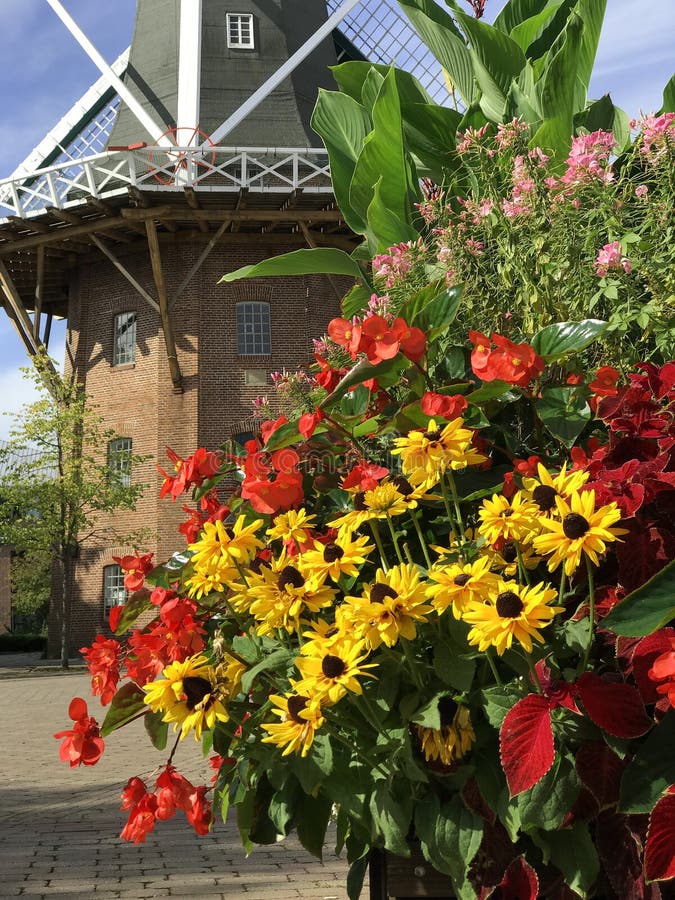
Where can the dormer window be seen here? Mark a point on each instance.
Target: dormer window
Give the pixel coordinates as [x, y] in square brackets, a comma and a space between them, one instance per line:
[240, 34]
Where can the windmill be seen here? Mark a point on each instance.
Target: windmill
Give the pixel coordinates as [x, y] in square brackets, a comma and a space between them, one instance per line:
[191, 155]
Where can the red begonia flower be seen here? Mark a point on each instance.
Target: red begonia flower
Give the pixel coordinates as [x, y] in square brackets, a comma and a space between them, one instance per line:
[444, 405]
[82, 744]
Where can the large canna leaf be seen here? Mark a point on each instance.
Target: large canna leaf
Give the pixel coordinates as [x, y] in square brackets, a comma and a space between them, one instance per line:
[668, 104]
[430, 136]
[603, 115]
[592, 14]
[497, 62]
[383, 164]
[443, 38]
[527, 32]
[557, 90]
[315, 261]
[343, 125]
[350, 77]
[515, 12]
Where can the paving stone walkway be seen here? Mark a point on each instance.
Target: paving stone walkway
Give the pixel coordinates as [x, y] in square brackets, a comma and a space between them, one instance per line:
[59, 827]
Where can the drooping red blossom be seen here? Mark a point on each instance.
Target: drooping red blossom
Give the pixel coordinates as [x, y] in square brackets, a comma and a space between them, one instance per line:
[604, 383]
[662, 672]
[643, 657]
[526, 743]
[82, 744]
[173, 792]
[199, 812]
[103, 661]
[132, 792]
[526, 466]
[210, 510]
[141, 820]
[515, 364]
[447, 406]
[136, 568]
[190, 472]
[328, 378]
[345, 334]
[364, 476]
[378, 338]
[268, 427]
[308, 422]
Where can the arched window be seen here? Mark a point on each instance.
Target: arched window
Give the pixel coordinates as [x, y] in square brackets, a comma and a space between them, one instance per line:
[254, 333]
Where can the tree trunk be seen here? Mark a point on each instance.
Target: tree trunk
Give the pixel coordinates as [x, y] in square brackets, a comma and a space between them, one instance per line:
[65, 610]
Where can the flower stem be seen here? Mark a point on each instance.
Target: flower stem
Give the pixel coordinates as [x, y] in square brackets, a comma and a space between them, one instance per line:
[524, 574]
[533, 673]
[420, 535]
[410, 659]
[448, 512]
[561, 592]
[492, 665]
[591, 614]
[378, 540]
[392, 531]
[455, 500]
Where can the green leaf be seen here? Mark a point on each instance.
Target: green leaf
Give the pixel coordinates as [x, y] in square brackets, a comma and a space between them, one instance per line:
[383, 162]
[497, 701]
[450, 835]
[429, 715]
[555, 341]
[572, 851]
[548, 802]
[432, 310]
[451, 667]
[445, 41]
[391, 811]
[279, 660]
[603, 115]
[356, 876]
[564, 412]
[343, 125]
[497, 62]
[127, 703]
[647, 609]
[530, 29]
[488, 391]
[371, 88]
[355, 301]
[592, 14]
[132, 609]
[284, 803]
[157, 729]
[515, 12]
[430, 136]
[668, 104]
[317, 260]
[312, 821]
[652, 769]
[310, 770]
[387, 373]
[350, 77]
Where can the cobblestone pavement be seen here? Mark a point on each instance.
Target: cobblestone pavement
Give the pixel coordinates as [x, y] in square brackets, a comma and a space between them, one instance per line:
[59, 827]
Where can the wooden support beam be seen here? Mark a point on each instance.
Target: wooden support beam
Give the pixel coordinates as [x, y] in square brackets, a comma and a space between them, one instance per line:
[241, 204]
[54, 235]
[30, 224]
[138, 196]
[242, 215]
[126, 273]
[311, 243]
[156, 262]
[39, 291]
[169, 225]
[200, 261]
[193, 203]
[24, 327]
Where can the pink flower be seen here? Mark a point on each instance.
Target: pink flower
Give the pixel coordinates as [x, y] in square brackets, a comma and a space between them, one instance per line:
[508, 133]
[397, 262]
[513, 208]
[641, 190]
[475, 248]
[589, 159]
[657, 133]
[472, 137]
[610, 259]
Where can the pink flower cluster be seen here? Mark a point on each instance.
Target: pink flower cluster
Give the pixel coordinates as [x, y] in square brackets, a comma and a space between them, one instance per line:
[610, 258]
[589, 159]
[509, 132]
[398, 261]
[657, 133]
[472, 137]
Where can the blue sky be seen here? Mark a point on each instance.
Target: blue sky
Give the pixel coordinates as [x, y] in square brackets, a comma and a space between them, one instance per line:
[49, 72]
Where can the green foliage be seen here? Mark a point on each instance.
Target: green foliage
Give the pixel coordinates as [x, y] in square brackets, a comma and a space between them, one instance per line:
[648, 608]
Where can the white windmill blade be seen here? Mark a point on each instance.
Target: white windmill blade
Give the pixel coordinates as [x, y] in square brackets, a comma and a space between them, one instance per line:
[136, 108]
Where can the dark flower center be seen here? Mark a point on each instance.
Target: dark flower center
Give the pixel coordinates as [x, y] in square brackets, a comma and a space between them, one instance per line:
[295, 707]
[461, 580]
[359, 504]
[331, 632]
[333, 666]
[509, 605]
[290, 575]
[195, 689]
[509, 553]
[332, 552]
[447, 708]
[257, 564]
[229, 532]
[574, 526]
[402, 485]
[379, 591]
[433, 435]
[507, 512]
[544, 496]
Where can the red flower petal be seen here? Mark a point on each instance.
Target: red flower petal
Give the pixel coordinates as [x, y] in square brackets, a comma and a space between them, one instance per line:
[644, 656]
[526, 743]
[615, 707]
[77, 709]
[660, 848]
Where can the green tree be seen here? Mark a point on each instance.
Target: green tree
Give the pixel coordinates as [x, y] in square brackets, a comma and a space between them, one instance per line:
[60, 487]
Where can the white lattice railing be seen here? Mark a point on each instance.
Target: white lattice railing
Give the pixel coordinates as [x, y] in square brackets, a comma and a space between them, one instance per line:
[218, 169]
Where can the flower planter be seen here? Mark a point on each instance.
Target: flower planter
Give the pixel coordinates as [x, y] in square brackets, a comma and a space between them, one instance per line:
[399, 878]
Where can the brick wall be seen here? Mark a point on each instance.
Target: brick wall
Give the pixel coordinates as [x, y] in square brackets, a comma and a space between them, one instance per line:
[139, 400]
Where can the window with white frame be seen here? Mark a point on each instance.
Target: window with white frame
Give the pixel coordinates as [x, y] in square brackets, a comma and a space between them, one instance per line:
[114, 592]
[119, 461]
[254, 336]
[124, 339]
[240, 34]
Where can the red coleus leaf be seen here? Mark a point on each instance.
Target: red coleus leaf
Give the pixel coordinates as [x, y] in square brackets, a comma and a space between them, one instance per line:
[646, 651]
[600, 769]
[526, 743]
[615, 707]
[520, 882]
[619, 851]
[660, 847]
